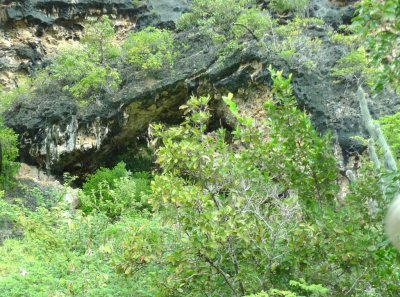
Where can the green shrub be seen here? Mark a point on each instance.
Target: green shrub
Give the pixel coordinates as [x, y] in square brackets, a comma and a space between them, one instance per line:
[96, 81]
[8, 155]
[220, 199]
[224, 21]
[69, 254]
[150, 48]
[293, 44]
[87, 70]
[259, 22]
[218, 15]
[82, 76]
[9, 96]
[228, 23]
[378, 23]
[256, 208]
[102, 175]
[355, 66]
[114, 191]
[346, 37]
[297, 6]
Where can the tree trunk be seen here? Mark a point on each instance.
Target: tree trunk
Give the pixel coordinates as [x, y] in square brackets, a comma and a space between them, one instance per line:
[392, 222]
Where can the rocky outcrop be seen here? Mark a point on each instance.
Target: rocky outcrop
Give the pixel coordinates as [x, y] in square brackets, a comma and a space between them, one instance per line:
[47, 12]
[333, 12]
[61, 136]
[31, 31]
[58, 135]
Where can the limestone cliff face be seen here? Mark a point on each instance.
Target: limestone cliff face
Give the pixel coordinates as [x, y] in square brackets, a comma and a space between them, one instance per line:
[59, 136]
[32, 30]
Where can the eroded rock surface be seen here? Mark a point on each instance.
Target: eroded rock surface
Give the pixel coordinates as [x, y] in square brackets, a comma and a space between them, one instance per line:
[60, 136]
[31, 31]
[333, 12]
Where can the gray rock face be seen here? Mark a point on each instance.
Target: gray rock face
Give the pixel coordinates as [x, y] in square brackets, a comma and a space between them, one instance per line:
[46, 13]
[32, 30]
[49, 12]
[332, 13]
[162, 13]
[59, 136]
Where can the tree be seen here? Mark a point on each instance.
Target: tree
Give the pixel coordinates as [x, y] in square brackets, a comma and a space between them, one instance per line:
[99, 38]
[87, 70]
[150, 48]
[232, 201]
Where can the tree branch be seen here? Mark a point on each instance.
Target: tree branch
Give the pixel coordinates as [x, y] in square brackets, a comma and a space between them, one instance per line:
[236, 265]
[248, 30]
[220, 271]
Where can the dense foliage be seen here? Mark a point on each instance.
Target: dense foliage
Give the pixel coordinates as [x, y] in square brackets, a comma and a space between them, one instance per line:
[8, 138]
[282, 6]
[256, 209]
[234, 214]
[90, 71]
[230, 192]
[234, 22]
[8, 155]
[150, 48]
[112, 191]
[86, 70]
[378, 22]
[226, 20]
[65, 254]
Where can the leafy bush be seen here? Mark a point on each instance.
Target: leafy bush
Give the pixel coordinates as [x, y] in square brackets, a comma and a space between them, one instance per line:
[86, 70]
[223, 20]
[9, 96]
[227, 23]
[378, 22]
[221, 202]
[293, 44]
[114, 191]
[83, 77]
[298, 6]
[69, 254]
[107, 175]
[216, 15]
[354, 66]
[150, 48]
[346, 36]
[254, 209]
[255, 20]
[8, 155]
